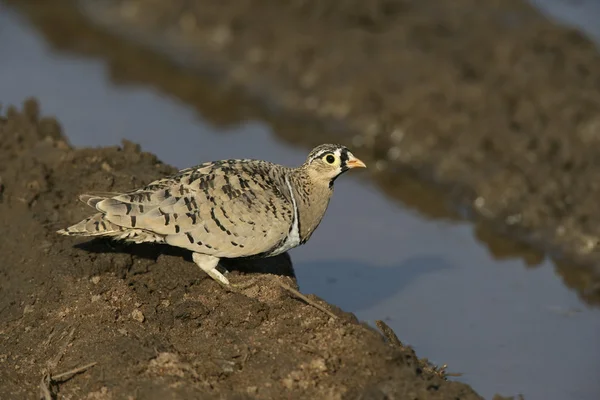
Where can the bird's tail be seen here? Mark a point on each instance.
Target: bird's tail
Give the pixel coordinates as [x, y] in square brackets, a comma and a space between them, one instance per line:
[96, 225]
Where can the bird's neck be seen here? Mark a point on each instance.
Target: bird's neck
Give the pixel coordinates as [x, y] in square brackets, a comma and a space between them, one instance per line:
[312, 198]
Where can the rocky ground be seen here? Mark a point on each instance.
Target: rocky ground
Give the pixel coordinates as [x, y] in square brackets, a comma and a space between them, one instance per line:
[155, 326]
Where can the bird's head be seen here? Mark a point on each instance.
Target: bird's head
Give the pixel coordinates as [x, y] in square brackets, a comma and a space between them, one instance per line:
[328, 161]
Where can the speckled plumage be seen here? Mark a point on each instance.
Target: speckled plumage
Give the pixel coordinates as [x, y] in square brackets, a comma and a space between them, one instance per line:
[223, 209]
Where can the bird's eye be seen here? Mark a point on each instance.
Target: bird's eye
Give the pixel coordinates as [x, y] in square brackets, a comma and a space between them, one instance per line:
[330, 159]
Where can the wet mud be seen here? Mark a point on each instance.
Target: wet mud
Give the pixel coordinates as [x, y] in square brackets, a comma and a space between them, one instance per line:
[155, 326]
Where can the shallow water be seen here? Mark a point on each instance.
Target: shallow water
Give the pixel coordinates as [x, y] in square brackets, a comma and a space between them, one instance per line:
[507, 326]
[580, 14]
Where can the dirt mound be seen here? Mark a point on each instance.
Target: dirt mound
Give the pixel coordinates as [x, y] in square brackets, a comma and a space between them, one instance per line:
[153, 323]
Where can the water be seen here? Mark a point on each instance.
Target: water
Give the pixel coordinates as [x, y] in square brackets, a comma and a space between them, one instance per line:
[509, 326]
[580, 14]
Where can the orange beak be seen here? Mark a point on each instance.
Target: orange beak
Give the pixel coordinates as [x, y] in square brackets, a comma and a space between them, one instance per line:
[354, 162]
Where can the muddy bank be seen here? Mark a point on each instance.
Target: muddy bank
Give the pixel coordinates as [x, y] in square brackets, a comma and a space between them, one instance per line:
[154, 324]
[487, 98]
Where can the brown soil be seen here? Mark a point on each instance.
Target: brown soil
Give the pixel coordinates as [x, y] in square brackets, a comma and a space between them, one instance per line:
[153, 323]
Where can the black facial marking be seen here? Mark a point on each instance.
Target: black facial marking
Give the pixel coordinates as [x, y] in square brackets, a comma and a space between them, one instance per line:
[189, 236]
[141, 208]
[344, 158]
[128, 207]
[343, 166]
[177, 229]
[167, 218]
[133, 220]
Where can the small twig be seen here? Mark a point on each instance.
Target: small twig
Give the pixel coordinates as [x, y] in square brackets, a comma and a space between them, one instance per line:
[388, 333]
[45, 393]
[65, 376]
[48, 379]
[307, 300]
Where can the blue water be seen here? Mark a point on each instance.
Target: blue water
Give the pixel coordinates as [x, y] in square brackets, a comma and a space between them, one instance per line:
[579, 14]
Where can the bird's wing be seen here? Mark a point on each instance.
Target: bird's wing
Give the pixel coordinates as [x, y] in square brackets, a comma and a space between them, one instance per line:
[227, 208]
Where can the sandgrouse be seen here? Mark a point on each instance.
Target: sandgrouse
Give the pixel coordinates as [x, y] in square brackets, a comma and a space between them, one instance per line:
[224, 209]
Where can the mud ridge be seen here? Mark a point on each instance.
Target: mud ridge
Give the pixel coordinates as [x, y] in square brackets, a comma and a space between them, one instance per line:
[155, 326]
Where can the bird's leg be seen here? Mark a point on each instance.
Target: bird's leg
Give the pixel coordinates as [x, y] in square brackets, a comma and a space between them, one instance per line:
[209, 264]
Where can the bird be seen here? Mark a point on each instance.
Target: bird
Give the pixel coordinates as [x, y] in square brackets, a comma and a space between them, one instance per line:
[233, 208]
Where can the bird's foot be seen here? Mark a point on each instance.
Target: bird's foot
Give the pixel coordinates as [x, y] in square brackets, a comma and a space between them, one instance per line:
[219, 277]
[209, 264]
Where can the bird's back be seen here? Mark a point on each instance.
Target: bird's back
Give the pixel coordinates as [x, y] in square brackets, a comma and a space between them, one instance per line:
[229, 208]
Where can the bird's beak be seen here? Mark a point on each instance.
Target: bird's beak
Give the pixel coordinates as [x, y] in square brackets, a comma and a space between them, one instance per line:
[354, 162]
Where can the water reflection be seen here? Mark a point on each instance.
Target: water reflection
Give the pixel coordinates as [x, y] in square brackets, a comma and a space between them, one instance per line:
[580, 14]
[403, 256]
[355, 286]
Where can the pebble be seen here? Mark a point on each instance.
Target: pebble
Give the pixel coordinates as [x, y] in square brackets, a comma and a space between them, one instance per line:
[137, 315]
